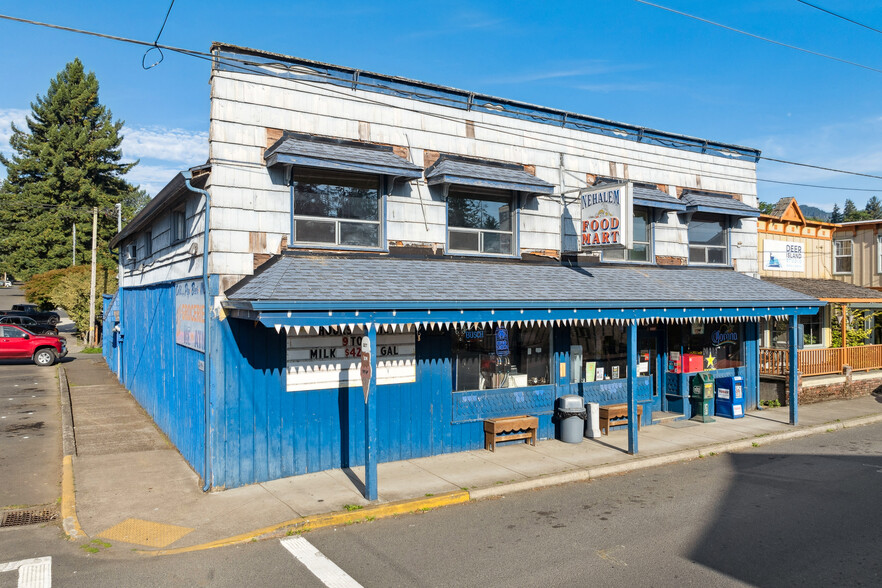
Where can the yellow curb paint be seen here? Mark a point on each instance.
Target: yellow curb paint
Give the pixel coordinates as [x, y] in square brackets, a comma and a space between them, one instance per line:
[68, 501]
[328, 520]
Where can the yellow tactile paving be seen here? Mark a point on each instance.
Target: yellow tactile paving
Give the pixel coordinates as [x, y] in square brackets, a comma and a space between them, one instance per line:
[146, 533]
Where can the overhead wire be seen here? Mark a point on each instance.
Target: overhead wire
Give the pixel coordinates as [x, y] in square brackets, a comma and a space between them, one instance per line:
[760, 37]
[260, 69]
[837, 15]
[156, 40]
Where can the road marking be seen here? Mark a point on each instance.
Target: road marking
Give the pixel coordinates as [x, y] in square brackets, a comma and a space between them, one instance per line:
[32, 573]
[315, 561]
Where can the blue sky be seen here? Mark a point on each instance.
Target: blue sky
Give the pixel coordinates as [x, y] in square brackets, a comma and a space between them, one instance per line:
[616, 59]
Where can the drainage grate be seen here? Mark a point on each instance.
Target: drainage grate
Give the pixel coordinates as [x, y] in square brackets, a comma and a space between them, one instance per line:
[28, 516]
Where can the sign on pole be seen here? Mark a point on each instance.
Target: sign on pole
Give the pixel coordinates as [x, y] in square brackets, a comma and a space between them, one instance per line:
[366, 366]
[607, 216]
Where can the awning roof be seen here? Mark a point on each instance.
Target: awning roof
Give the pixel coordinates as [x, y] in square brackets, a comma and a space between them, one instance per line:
[829, 290]
[459, 171]
[655, 198]
[408, 290]
[718, 204]
[336, 154]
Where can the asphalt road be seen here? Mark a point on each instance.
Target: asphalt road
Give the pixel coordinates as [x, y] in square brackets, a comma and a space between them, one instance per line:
[801, 513]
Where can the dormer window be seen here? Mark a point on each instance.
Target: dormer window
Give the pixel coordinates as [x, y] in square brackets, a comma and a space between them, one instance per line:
[479, 223]
[337, 209]
[708, 239]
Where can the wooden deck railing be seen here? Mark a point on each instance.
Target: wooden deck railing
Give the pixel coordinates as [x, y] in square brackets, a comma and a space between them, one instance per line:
[815, 362]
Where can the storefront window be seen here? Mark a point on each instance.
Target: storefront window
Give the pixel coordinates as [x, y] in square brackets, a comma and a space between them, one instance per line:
[720, 344]
[604, 351]
[481, 362]
[479, 223]
[811, 330]
[336, 209]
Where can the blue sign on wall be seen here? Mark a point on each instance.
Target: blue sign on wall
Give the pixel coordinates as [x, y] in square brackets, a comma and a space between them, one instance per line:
[501, 342]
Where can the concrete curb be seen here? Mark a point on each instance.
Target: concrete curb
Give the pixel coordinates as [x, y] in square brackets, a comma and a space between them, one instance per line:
[302, 524]
[370, 513]
[68, 491]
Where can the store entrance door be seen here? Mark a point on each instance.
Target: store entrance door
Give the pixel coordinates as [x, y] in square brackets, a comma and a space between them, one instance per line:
[650, 357]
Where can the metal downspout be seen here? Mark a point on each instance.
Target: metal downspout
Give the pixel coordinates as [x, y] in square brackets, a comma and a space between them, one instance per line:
[207, 393]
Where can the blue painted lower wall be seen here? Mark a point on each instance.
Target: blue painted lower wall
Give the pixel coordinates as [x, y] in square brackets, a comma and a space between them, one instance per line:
[260, 432]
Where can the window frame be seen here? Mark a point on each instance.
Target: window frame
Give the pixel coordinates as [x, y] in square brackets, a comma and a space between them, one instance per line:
[489, 195]
[384, 187]
[837, 256]
[726, 225]
[178, 225]
[650, 244]
[879, 253]
[148, 244]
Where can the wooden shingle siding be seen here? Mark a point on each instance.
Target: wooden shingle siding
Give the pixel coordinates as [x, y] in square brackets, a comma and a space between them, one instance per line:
[249, 112]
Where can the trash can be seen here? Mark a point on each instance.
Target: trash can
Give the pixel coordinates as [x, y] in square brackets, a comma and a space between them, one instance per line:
[592, 424]
[701, 397]
[571, 414]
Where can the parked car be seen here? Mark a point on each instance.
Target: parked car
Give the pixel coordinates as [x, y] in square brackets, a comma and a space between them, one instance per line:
[7, 284]
[33, 311]
[29, 324]
[18, 343]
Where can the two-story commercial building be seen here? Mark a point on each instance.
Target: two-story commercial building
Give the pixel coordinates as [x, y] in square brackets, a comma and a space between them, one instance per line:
[368, 267]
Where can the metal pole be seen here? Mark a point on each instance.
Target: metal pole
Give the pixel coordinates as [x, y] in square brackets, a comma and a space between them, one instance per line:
[632, 381]
[91, 337]
[371, 430]
[119, 297]
[793, 398]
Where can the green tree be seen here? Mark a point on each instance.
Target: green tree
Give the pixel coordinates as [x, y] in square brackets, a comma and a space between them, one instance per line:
[851, 213]
[66, 162]
[858, 330]
[836, 215]
[873, 208]
[766, 207]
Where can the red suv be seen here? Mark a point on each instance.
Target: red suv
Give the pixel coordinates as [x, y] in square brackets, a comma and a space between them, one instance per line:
[19, 343]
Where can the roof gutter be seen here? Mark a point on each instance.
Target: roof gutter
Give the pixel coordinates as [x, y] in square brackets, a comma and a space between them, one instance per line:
[188, 176]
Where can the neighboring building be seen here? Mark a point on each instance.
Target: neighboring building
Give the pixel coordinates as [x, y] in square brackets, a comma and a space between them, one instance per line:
[446, 228]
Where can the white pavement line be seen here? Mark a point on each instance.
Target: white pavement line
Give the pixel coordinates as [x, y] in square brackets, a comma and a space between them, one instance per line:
[315, 561]
[32, 573]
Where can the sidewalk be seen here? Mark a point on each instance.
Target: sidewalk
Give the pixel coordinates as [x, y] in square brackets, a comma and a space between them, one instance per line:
[132, 487]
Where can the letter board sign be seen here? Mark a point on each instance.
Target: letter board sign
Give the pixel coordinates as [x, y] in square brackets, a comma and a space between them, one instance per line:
[783, 256]
[607, 216]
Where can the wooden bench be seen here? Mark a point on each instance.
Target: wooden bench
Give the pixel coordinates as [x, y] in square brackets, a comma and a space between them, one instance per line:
[495, 430]
[615, 415]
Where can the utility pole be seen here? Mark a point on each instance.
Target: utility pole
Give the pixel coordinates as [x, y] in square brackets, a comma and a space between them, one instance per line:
[74, 244]
[91, 336]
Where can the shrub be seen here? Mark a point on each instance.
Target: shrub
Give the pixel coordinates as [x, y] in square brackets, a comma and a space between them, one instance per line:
[69, 289]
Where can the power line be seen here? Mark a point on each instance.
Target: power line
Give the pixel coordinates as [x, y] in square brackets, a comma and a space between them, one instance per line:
[247, 66]
[761, 38]
[156, 40]
[837, 15]
[819, 186]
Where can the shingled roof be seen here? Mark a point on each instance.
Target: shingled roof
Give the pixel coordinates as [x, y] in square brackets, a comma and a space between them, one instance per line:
[828, 290]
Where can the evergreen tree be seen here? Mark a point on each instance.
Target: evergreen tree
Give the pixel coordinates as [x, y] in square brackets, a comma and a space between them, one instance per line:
[851, 212]
[766, 207]
[836, 215]
[873, 208]
[67, 161]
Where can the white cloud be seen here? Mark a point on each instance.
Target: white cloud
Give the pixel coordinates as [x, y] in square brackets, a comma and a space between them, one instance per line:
[153, 177]
[165, 144]
[7, 117]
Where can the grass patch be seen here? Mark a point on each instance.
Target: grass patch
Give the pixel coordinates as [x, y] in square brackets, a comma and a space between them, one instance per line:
[762, 435]
[429, 494]
[352, 507]
[370, 519]
[95, 546]
[755, 444]
[92, 350]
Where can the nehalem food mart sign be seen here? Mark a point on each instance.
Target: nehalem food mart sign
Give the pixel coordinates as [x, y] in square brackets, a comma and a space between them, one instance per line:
[607, 216]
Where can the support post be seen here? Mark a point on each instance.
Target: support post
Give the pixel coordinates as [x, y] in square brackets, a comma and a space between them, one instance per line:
[632, 381]
[91, 337]
[792, 399]
[371, 430]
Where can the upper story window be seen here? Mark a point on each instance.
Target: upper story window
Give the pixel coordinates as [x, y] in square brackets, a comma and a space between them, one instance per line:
[879, 254]
[178, 226]
[148, 243]
[708, 239]
[337, 209]
[480, 223]
[641, 249]
[842, 254]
